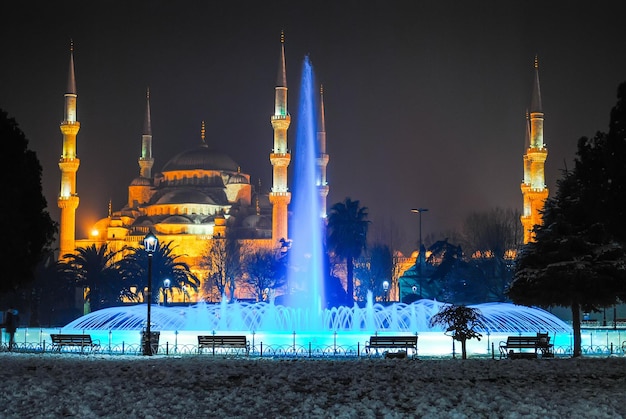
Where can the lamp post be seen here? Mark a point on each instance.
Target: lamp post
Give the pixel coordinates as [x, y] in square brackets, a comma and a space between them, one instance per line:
[420, 211]
[422, 250]
[386, 289]
[150, 243]
[166, 287]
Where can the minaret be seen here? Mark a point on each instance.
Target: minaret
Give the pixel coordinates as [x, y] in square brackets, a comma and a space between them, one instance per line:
[146, 161]
[322, 160]
[534, 190]
[68, 199]
[280, 156]
[140, 190]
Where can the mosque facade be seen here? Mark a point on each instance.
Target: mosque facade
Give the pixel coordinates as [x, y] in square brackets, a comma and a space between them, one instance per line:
[200, 195]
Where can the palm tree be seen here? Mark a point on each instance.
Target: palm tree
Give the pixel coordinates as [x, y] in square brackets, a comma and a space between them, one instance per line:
[347, 236]
[94, 269]
[134, 268]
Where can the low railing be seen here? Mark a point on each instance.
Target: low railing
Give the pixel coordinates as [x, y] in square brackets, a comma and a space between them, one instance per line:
[37, 341]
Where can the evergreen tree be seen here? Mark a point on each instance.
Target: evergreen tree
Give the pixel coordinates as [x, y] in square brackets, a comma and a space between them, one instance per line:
[26, 225]
[578, 259]
[461, 322]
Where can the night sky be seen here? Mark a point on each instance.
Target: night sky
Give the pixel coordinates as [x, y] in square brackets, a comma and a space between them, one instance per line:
[425, 101]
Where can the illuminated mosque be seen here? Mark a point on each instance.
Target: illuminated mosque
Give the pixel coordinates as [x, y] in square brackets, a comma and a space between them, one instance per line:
[201, 193]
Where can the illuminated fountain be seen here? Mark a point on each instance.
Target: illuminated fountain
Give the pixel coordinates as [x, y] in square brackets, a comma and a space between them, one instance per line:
[303, 317]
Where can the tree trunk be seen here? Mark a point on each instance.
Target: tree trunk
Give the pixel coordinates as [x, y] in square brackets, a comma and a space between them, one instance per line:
[576, 326]
[464, 349]
[350, 281]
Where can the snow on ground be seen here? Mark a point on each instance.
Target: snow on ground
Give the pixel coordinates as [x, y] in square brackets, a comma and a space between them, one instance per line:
[202, 386]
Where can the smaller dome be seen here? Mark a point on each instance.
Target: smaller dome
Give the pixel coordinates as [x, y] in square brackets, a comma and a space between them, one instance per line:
[237, 178]
[141, 181]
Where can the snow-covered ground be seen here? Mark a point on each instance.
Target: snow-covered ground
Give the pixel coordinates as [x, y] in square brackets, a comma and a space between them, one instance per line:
[201, 386]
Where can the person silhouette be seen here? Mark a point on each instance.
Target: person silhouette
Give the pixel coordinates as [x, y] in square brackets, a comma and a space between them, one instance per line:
[11, 320]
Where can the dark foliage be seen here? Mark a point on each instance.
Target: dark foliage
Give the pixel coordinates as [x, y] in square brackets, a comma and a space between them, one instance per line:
[347, 236]
[460, 322]
[579, 257]
[27, 227]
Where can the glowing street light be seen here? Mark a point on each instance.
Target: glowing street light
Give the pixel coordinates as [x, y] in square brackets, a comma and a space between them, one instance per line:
[386, 289]
[150, 244]
[166, 288]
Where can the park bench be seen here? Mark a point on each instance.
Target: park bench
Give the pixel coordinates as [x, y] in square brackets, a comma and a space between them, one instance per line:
[223, 341]
[82, 341]
[527, 347]
[392, 342]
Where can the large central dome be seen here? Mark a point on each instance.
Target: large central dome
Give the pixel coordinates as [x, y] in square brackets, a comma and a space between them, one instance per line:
[201, 157]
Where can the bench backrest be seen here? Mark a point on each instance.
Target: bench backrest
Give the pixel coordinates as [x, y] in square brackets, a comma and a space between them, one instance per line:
[226, 340]
[524, 342]
[393, 340]
[71, 339]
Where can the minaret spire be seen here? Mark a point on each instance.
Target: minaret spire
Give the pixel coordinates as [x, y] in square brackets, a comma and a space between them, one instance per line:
[322, 159]
[534, 190]
[68, 164]
[280, 156]
[146, 161]
[203, 133]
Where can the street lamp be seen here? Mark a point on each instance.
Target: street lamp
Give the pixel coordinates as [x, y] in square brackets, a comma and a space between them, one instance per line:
[422, 251]
[420, 211]
[150, 244]
[166, 287]
[386, 289]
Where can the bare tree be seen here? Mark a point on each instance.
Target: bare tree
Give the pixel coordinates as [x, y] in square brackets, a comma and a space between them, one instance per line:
[222, 261]
[491, 240]
[265, 271]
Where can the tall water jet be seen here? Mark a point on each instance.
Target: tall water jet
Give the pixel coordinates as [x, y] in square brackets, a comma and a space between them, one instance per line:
[305, 276]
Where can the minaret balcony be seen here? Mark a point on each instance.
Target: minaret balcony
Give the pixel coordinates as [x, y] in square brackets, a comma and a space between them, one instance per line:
[70, 127]
[69, 164]
[280, 159]
[69, 202]
[281, 122]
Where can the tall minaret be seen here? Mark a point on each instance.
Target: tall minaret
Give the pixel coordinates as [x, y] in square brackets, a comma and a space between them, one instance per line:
[534, 190]
[146, 161]
[280, 156]
[68, 199]
[322, 159]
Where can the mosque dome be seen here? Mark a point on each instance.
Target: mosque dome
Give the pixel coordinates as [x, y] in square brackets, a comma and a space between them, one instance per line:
[202, 157]
[177, 219]
[185, 196]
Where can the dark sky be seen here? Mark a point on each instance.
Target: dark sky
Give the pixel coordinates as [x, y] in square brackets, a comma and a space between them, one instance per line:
[425, 101]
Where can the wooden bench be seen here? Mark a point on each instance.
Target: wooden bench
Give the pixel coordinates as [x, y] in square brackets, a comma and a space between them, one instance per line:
[518, 347]
[223, 341]
[392, 342]
[82, 341]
